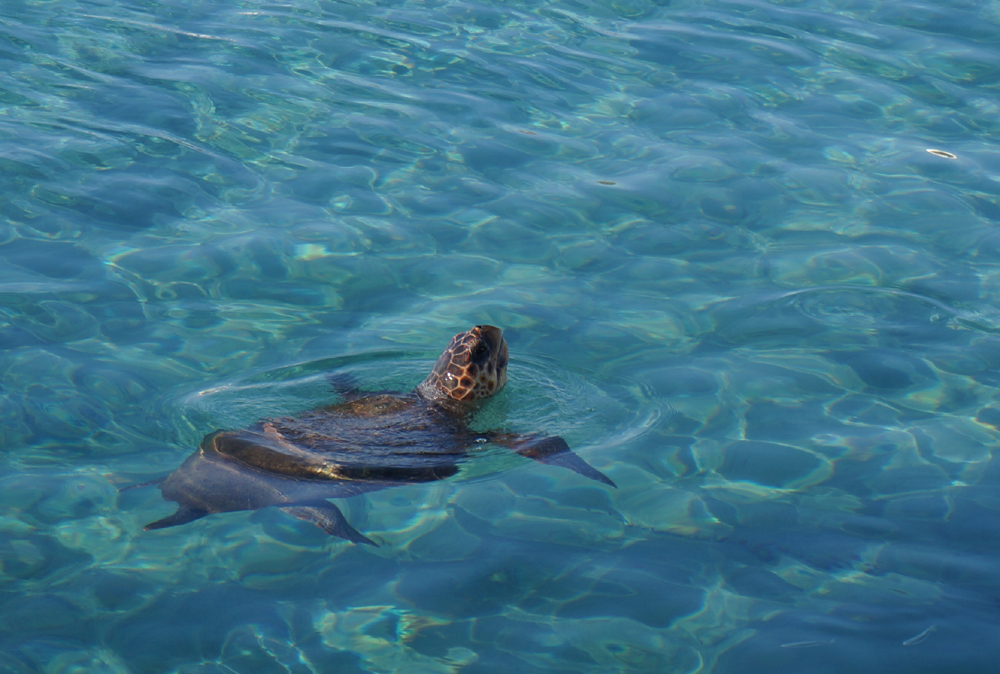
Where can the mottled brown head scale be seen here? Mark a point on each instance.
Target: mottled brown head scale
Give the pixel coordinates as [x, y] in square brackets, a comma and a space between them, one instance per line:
[473, 366]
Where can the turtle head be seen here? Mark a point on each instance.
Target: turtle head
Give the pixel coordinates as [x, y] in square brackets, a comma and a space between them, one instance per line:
[473, 366]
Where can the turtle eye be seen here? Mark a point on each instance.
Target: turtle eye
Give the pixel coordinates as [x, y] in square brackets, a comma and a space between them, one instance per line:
[480, 354]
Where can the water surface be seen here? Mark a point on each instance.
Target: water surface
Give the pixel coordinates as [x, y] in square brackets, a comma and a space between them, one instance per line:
[730, 275]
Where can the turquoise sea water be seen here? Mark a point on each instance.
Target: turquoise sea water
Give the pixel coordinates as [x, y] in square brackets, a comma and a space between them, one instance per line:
[730, 275]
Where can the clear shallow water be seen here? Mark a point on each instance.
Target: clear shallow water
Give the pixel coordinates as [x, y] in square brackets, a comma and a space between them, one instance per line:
[730, 275]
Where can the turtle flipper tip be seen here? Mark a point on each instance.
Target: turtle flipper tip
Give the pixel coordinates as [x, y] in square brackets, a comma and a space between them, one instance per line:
[605, 479]
[182, 516]
[328, 517]
[581, 467]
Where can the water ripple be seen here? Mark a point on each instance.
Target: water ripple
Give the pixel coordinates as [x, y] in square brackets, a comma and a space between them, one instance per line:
[730, 273]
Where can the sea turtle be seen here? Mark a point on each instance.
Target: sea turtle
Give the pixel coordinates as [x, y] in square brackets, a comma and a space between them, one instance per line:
[368, 441]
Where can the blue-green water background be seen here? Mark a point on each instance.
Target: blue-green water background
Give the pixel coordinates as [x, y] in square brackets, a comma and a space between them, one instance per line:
[730, 273]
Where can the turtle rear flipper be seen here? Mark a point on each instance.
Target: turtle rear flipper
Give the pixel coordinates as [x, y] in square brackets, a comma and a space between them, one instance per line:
[552, 450]
[182, 516]
[328, 517]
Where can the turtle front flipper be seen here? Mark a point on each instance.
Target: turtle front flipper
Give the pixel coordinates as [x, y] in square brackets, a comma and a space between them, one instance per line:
[552, 450]
[328, 517]
[182, 516]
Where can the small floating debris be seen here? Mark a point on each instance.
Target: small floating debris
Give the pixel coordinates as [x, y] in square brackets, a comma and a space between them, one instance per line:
[806, 644]
[920, 638]
[942, 153]
[605, 182]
